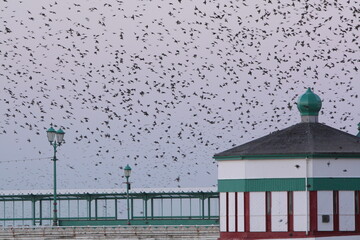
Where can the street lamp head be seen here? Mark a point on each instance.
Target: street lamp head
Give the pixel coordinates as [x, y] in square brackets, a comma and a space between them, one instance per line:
[60, 136]
[127, 171]
[51, 134]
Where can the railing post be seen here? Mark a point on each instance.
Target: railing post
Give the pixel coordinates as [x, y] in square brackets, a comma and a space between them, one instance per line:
[152, 208]
[4, 213]
[68, 215]
[33, 201]
[132, 208]
[89, 207]
[181, 207]
[116, 208]
[96, 209]
[22, 211]
[209, 209]
[203, 207]
[40, 212]
[190, 206]
[146, 209]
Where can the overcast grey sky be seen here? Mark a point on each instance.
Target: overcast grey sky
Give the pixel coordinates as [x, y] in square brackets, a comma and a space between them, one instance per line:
[163, 85]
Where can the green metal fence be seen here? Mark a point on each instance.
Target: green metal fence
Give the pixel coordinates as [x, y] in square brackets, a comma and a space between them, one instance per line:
[108, 207]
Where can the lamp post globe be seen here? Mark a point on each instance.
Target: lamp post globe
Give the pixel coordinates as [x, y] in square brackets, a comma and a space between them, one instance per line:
[127, 171]
[51, 134]
[60, 136]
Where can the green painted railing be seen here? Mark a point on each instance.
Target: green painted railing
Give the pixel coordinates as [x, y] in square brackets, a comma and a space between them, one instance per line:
[95, 209]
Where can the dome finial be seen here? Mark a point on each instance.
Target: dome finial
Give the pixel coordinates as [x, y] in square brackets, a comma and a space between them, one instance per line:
[309, 105]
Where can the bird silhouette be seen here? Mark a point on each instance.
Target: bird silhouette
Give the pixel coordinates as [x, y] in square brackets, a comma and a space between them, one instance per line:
[163, 86]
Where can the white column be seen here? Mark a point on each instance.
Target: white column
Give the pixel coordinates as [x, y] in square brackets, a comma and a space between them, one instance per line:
[300, 209]
[231, 212]
[346, 211]
[222, 212]
[240, 212]
[279, 211]
[257, 212]
[325, 207]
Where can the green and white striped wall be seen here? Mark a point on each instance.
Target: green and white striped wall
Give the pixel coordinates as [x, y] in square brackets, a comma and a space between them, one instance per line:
[289, 175]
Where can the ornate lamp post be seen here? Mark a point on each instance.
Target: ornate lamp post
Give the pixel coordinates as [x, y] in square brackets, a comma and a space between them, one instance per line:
[127, 172]
[51, 133]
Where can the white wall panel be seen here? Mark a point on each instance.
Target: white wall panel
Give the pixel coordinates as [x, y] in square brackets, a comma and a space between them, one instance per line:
[240, 212]
[282, 168]
[300, 211]
[279, 212]
[257, 212]
[325, 207]
[335, 168]
[222, 212]
[346, 210]
[231, 212]
[232, 169]
[258, 169]
[288, 168]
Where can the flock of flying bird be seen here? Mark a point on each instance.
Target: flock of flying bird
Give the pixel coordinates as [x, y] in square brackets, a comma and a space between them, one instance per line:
[164, 85]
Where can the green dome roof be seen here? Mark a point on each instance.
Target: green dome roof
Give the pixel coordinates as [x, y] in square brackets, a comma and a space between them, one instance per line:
[309, 104]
